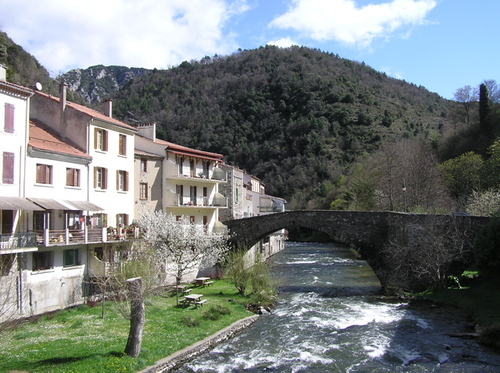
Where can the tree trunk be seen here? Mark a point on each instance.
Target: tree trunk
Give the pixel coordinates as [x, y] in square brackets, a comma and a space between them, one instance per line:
[137, 317]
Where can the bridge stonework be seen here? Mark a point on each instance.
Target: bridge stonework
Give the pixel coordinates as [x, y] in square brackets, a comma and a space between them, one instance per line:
[380, 238]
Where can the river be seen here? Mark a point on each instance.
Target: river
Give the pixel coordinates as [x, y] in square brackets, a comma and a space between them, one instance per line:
[331, 317]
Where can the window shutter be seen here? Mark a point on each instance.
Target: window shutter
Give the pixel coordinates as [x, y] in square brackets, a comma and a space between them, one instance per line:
[8, 168]
[117, 179]
[104, 178]
[69, 177]
[9, 118]
[105, 140]
[95, 177]
[95, 138]
[126, 181]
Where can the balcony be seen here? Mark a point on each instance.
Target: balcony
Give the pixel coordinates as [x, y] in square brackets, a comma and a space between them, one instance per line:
[56, 237]
[18, 243]
[178, 200]
[216, 176]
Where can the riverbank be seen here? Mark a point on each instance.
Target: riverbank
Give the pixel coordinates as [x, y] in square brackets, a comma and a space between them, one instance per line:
[180, 357]
[80, 340]
[479, 300]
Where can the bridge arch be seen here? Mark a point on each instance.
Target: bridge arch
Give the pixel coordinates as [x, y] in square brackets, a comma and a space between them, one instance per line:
[370, 233]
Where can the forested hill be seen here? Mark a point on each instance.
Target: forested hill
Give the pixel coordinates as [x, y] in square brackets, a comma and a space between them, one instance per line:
[293, 117]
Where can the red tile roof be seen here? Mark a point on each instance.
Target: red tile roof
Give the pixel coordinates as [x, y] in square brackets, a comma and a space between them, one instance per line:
[41, 137]
[184, 150]
[90, 112]
[16, 89]
[146, 154]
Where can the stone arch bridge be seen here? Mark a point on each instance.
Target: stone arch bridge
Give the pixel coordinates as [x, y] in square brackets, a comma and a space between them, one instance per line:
[405, 251]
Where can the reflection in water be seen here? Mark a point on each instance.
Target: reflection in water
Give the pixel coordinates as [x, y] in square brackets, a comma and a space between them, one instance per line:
[331, 318]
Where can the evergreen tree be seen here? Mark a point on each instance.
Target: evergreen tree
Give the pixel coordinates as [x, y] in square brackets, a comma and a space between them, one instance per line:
[484, 110]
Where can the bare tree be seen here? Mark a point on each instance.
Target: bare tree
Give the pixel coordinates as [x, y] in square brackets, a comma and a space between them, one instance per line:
[467, 96]
[9, 277]
[409, 178]
[427, 256]
[493, 90]
[137, 317]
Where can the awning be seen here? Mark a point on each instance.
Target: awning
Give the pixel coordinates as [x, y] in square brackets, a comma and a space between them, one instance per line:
[52, 204]
[84, 205]
[18, 203]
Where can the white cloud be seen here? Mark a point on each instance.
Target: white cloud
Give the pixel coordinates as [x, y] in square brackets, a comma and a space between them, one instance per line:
[344, 21]
[64, 34]
[283, 43]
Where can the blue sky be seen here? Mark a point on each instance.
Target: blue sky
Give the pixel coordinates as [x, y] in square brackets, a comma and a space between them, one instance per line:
[439, 44]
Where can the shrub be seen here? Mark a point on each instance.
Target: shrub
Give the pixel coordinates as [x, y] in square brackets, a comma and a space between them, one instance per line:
[215, 312]
[190, 321]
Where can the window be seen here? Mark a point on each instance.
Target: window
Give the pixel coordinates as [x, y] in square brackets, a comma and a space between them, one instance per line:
[100, 178]
[180, 162]
[143, 190]
[72, 177]
[144, 165]
[39, 220]
[43, 260]
[8, 168]
[43, 174]
[70, 257]
[99, 220]
[122, 180]
[193, 191]
[9, 118]
[192, 168]
[121, 219]
[180, 194]
[100, 139]
[122, 144]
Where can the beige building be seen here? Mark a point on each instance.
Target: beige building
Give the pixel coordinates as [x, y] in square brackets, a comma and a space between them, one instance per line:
[190, 178]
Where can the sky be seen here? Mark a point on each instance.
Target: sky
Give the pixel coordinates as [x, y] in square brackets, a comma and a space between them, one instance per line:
[441, 45]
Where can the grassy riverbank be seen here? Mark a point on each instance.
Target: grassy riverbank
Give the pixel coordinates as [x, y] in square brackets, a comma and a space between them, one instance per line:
[79, 340]
[479, 298]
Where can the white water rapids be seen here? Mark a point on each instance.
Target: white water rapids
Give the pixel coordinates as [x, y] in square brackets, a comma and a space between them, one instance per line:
[330, 317]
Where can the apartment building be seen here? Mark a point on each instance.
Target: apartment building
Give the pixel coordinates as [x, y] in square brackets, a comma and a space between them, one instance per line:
[246, 198]
[190, 178]
[110, 144]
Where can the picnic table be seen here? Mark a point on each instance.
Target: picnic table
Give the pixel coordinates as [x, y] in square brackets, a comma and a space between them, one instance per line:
[203, 281]
[194, 299]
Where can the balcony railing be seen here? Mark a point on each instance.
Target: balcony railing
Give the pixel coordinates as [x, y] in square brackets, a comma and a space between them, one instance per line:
[217, 175]
[53, 237]
[17, 241]
[179, 200]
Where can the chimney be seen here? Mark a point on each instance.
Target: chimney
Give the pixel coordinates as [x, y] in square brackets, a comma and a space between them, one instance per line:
[108, 108]
[63, 87]
[3, 73]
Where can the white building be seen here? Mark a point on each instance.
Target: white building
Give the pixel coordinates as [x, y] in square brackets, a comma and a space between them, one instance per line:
[110, 144]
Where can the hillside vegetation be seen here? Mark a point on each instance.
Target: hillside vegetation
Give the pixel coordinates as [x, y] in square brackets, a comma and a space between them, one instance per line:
[295, 117]
[23, 68]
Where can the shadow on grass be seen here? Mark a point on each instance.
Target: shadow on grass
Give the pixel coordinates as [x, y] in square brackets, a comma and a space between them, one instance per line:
[55, 361]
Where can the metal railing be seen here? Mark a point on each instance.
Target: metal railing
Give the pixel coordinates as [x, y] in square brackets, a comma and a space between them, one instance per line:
[17, 241]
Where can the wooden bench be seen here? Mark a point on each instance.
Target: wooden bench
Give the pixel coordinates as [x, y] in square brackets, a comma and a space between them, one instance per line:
[186, 291]
[206, 283]
[200, 302]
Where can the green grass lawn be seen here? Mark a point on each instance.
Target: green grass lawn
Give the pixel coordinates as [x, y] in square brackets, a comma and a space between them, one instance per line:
[79, 340]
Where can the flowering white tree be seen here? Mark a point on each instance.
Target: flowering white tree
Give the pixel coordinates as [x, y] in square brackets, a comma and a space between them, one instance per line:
[181, 246]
